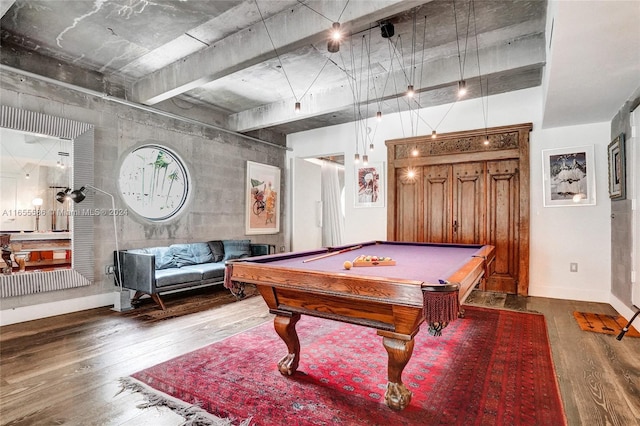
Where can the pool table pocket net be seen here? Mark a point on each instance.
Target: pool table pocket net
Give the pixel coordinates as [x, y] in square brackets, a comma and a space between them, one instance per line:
[440, 308]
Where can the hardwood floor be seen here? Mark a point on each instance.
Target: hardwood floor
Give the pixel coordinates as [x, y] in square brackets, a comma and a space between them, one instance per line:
[65, 369]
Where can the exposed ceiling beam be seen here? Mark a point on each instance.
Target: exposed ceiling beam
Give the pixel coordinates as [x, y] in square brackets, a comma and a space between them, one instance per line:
[522, 53]
[289, 31]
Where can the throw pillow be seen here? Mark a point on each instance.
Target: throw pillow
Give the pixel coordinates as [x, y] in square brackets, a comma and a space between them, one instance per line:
[217, 250]
[191, 254]
[236, 249]
[164, 258]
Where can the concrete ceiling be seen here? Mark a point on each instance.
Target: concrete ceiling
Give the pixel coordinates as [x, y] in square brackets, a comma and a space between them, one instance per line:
[243, 65]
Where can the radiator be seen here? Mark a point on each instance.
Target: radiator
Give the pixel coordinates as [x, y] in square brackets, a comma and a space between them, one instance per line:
[19, 284]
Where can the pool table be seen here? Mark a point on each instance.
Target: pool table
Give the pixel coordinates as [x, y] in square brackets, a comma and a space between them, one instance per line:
[428, 282]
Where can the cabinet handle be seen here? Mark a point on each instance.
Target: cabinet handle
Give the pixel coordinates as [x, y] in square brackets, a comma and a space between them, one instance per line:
[455, 226]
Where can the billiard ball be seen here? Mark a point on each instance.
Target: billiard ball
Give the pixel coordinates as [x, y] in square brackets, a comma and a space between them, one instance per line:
[347, 264]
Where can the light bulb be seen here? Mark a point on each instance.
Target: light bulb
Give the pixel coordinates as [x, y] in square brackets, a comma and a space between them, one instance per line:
[415, 152]
[462, 88]
[336, 34]
[410, 91]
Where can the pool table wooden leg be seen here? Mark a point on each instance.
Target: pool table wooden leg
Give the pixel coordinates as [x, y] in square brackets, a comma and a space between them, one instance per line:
[286, 328]
[397, 395]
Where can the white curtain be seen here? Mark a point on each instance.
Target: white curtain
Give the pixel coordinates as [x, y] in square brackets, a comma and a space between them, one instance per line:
[332, 218]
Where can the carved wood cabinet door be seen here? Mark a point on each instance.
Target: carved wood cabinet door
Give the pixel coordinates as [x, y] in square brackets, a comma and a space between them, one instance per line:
[503, 223]
[460, 189]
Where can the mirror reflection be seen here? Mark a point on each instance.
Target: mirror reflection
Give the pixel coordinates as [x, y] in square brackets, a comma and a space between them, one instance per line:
[34, 169]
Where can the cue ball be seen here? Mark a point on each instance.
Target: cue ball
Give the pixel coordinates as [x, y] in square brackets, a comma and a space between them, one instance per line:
[347, 264]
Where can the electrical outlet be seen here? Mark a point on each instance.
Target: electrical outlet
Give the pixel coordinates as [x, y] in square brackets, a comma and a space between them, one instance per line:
[109, 270]
[573, 267]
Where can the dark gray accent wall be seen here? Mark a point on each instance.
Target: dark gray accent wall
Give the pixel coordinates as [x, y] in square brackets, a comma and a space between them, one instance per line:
[216, 161]
[621, 213]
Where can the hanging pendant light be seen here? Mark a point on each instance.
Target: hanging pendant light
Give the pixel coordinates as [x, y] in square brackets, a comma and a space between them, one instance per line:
[356, 158]
[410, 91]
[379, 116]
[462, 88]
[433, 134]
[297, 108]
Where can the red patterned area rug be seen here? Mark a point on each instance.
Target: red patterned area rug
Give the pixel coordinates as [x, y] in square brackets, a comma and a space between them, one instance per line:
[493, 367]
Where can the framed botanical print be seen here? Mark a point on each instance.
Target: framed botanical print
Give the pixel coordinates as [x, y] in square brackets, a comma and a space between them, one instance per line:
[262, 210]
[617, 169]
[569, 176]
[154, 182]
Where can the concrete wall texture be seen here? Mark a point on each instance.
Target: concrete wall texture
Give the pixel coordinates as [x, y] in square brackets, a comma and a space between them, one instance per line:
[216, 162]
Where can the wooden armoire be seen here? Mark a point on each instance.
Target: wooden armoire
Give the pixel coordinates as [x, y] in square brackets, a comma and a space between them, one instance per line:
[456, 188]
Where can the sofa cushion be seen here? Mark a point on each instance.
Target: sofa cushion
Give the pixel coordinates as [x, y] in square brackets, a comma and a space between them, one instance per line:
[171, 276]
[209, 271]
[191, 254]
[236, 249]
[164, 258]
[217, 250]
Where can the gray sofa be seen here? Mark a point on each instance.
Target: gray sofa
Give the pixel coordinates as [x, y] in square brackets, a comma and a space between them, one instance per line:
[156, 270]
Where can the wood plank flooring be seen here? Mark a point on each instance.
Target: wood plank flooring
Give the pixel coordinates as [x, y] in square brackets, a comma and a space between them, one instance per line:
[65, 369]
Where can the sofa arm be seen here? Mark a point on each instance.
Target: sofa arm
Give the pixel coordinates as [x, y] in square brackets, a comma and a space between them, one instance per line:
[137, 271]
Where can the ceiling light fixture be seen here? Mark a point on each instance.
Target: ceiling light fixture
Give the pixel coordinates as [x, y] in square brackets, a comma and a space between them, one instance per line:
[365, 159]
[410, 91]
[387, 30]
[356, 158]
[297, 108]
[379, 116]
[371, 146]
[333, 45]
[27, 176]
[433, 134]
[462, 88]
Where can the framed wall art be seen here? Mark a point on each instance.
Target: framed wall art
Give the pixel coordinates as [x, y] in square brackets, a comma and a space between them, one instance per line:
[262, 215]
[369, 185]
[569, 176]
[617, 169]
[154, 182]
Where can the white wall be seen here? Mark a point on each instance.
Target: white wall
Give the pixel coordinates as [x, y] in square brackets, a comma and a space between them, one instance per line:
[580, 234]
[559, 235]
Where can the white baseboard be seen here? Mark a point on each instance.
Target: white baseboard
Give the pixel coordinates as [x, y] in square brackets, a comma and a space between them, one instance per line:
[44, 310]
[570, 294]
